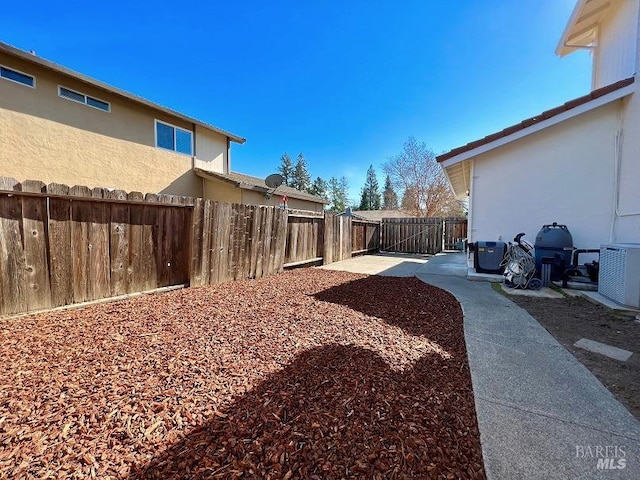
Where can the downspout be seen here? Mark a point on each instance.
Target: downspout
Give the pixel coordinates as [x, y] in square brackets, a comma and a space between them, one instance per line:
[227, 165]
[617, 163]
[472, 189]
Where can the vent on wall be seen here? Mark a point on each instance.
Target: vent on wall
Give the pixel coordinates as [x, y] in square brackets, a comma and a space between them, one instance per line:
[619, 277]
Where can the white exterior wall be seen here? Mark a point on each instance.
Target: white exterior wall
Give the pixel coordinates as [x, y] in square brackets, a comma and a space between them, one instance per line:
[615, 55]
[211, 151]
[562, 174]
[627, 223]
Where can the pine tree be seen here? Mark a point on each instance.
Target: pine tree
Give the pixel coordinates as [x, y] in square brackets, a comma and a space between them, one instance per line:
[364, 200]
[371, 191]
[389, 197]
[320, 188]
[286, 168]
[301, 179]
[338, 193]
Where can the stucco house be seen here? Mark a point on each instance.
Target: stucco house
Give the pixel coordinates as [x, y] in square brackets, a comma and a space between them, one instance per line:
[58, 125]
[577, 164]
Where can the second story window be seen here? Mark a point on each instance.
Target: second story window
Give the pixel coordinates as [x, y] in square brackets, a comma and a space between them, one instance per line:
[174, 138]
[69, 94]
[18, 77]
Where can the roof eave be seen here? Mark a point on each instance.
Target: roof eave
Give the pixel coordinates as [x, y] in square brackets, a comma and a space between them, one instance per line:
[600, 100]
[16, 52]
[256, 188]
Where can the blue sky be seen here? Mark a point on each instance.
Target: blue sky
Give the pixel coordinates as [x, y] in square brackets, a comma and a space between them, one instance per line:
[346, 82]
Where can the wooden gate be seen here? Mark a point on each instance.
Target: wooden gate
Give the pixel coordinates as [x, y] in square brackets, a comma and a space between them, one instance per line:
[422, 235]
[455, 230]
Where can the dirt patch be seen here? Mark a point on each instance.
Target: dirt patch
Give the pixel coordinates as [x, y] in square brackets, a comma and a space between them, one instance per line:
[570, 319]
[307, 374]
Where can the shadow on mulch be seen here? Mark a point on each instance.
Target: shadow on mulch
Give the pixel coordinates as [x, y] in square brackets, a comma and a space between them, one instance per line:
[400, 309]
[337, 412]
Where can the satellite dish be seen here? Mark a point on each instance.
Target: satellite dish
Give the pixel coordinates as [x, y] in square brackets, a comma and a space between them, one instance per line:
[274, 180]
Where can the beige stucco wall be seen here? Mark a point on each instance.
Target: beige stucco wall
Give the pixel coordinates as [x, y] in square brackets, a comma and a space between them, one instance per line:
[222, 191]
[211, 151]
[49, 138]
[561, 174]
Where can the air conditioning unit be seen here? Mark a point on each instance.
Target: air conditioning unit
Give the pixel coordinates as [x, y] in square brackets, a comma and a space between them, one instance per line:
[619, 277]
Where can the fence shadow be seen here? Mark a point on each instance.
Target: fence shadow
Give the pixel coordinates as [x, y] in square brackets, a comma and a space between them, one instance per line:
[408, 303]
[337, 412]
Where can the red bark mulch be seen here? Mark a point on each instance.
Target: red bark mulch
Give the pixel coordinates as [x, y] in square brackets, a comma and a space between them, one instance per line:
[308, 374]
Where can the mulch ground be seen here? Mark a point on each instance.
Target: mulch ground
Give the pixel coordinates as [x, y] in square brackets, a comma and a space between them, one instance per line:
[308, 374]
[570, 319]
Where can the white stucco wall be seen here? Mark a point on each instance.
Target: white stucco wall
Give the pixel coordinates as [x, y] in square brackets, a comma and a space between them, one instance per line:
[562, 174]
[615, 56]
[627, 222]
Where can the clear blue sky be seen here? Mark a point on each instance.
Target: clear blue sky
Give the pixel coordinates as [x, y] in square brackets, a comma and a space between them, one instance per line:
[346, 82]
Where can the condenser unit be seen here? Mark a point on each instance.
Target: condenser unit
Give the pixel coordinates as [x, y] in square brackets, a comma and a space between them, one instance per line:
[619, 277]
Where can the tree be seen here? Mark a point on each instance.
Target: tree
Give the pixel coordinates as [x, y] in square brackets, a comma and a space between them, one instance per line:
[338, 193]
[370, 196]
[286, 168]
[301, 179]
[320, 188]
[389, 197]
[425, 191]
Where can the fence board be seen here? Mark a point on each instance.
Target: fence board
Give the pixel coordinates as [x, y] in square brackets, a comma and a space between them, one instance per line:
[59, 244]
[34, 225]
[12, 267]
[136, 279]
[80, 218]
[196, 240]
[119, 232]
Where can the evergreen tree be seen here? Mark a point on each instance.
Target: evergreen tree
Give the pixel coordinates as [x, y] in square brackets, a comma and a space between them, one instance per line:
[320, 188]
[389, 197]
[364, 200]
[338, 193]
[301, 179]
[286, 168]
[370, 197]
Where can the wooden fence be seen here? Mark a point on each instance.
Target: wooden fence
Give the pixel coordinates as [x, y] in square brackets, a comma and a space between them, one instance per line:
[62, 245]
[422, 235]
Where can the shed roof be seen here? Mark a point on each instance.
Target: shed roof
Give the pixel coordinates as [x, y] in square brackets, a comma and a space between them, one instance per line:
[249, 182]
[378, 215]
[32, 58]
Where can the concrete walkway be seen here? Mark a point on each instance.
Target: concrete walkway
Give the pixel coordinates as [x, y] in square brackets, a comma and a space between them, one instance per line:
[541, 413]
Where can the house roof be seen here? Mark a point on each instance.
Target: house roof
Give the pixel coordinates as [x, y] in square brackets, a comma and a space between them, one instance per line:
[378, 215]
[29, 57]
[582, 28]
[549, 117]
[248, 182]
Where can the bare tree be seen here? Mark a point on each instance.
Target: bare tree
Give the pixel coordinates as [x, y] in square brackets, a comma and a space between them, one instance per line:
[421, 183]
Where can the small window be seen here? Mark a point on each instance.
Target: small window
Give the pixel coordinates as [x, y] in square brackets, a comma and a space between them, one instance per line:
[84, 99]
[18, 77]
[174, 138]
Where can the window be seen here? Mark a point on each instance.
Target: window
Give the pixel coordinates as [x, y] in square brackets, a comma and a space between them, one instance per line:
[173, 138]
[84, 99]
[18, 77]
